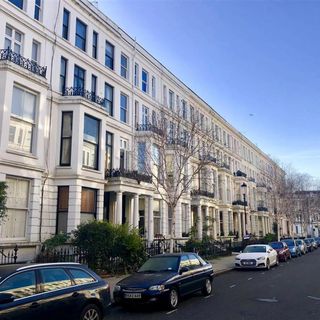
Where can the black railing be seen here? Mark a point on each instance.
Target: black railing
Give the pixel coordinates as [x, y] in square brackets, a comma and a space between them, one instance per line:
[261, 208]
[10, 55]
[81, 92]
[252, 179]
[208, 158]
[240, 174]
[177, 142]
[9, 257]
[240, 203]
[202, 193]
[149, 127]
[131, 174]
[68, 254]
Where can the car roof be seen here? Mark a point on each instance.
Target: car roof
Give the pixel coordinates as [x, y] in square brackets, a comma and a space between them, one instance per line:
[178, 254]
[257, 245]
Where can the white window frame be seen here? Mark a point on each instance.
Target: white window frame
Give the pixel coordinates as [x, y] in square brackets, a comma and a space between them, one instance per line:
[125, 68]
[12, 39]
[37, 59]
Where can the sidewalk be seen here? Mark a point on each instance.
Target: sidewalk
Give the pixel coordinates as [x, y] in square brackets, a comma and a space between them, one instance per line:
[220, 265]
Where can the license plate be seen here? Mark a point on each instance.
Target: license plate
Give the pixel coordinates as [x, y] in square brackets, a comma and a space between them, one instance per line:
[132, 295]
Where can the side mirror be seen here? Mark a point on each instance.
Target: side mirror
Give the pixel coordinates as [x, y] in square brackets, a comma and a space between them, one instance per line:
[184, 269]
[6, 298]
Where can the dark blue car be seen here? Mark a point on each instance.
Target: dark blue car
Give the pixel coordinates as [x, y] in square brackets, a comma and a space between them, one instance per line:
[293, 247]
[165, 279]
[52, 291]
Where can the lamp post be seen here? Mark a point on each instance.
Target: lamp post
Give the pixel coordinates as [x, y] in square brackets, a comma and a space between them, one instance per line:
[244, 188]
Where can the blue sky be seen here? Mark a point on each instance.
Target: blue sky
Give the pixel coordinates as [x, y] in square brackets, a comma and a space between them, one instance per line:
[257, 63]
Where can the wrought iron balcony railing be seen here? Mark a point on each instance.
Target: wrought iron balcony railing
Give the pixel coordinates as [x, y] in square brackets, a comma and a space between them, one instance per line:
[240, 174]
[149, 127]
[177, 142]
[262, 209]
[240, 203]
[10, 55]
[81, 92]
[202, 193]
[131, 174]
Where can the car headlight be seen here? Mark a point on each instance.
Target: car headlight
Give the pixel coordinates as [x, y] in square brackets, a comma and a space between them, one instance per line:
[157, 288]
[261, 258]
[293, 249]
[238, 259]
[116, 288]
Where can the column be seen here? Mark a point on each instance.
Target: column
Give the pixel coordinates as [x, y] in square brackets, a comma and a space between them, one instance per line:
[218, 222]
[189, 218]
[178, 221]
[199, 222]
[100, 199]
[214, 223]
[136, 211]
[239, 224]
[118, 213]
[206, 208]
[164, 217]
[243, 224]
[131, 212]
[150, 230]
[74, 207]
[263, 225]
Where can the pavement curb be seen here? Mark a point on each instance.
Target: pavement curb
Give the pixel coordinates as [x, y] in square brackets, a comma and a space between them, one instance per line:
[220, 272]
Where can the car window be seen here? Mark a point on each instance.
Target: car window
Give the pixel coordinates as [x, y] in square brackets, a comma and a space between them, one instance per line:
[20, 285]
[81, 277]
[54, 279]
[184, 262]
[194, 261]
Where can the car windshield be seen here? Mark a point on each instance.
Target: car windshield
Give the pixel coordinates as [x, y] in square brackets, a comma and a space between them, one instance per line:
[298, 241]
[289, 242]
[157, 264]
[276, 245]
[250, 249]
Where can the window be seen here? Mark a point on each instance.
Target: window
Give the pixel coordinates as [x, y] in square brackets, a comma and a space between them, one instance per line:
[22, 121]
[20, 285]
[108, 98]
[88, 204]
[66, 138]
[17, 203]
[153, 87]
[95, 45]
[18, 3]
[178, 103]
[62, 209]
[154, 118]
[63, 74]
[124, 154]
[145, 77]
[94, 86]
[54, 279]
[194, 261]
[65, 24]
[136, 75]
[141, 157]
[79, 77]
[165, 95]
[35, 51]
[90, 150]
[81, 277]
[184, 109]
[184, 220]
[171, 99]
[124, 66]
[145, 115]
[37, 10]
[184, 262]
[123, 108]
[81, 35]
[109, 55]
[192, 114]
[109, 150]
[13, 40]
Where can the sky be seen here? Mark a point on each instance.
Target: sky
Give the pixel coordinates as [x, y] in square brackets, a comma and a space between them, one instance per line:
[257, 63]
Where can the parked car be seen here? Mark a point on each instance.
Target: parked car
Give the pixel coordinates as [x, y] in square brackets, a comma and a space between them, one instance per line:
[293, 247]
[314, 243]
[309, 245]
[302, 245]
[282, 250]
[257, 256]
[52, 291]
[165, 278]
[318, 241]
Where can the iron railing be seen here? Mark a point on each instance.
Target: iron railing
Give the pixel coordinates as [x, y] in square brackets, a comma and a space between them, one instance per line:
[252, 179]
[261, 208]
[131, 174]
[67, 254]
[202, 193]
[240, 174]
[10, 55]
[240, 203]
[9, 257]
[81, 92]
[149, 127]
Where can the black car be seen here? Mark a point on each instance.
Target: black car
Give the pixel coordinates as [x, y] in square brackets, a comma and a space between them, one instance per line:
[52, 291]
[165, 278]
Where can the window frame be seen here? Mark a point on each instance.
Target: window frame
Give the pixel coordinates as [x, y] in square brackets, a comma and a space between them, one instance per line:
[108, 57]
[109, 147]
[63, 76]
[107, 85]
[95, 40]
[62, 210]
[65, 27]
[76, 76]
[62, 138]
[136, 74]
[124, 109]
[13, 40]
[37, 10]
[145, 83]
[124, 69]
[83, 38]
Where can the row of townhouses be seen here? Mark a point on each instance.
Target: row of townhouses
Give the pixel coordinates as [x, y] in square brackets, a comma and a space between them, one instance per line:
[76, 92]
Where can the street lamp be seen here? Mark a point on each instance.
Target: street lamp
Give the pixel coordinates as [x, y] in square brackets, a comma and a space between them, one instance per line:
[244, 188]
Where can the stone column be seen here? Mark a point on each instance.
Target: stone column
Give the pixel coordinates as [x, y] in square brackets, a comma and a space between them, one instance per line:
[199, 222]
[74, 207]
[207, 220]
[136, 211]
[164, 217]
[214, 223]
[189, 218]
[178, 221]
[217, 214]
[243, 224]
[131, 212]
[239, 224]
[150, 230]
[118, 213]
[100, 197]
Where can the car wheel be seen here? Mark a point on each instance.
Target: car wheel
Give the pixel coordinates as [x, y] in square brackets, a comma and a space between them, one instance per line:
[207, 288]
[285, 259]
[277, 261]
[91, 312]
[268, 264]
[173, 299]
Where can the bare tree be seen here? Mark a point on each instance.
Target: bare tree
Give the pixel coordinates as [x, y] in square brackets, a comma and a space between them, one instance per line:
[3, 200]
[176, 151]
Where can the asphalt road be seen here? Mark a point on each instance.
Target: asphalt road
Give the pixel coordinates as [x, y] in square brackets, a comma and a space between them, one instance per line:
[290, 291]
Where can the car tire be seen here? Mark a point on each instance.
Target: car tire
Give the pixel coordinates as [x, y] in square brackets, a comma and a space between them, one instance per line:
[91, 312]
[277, 261]
[173, 299]
[268, 264]
[207, 287]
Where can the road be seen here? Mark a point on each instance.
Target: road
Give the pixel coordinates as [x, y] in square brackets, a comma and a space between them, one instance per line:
[290, 291]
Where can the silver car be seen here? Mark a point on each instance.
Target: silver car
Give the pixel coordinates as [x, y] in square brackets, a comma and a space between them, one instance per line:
[302, 245]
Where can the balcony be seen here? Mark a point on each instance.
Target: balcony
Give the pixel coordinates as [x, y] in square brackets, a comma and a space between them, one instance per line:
[8, 54]
[208, 158]
[149, 127]
[252, 179]
[81, 92]
[177, 142]
[262, 209]
[203, 193]
[240, 174]
[131, 174]
[240, 203]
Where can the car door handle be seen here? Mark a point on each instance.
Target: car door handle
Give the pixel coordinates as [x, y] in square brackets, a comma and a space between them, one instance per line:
[34, 305]
[75, 294]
